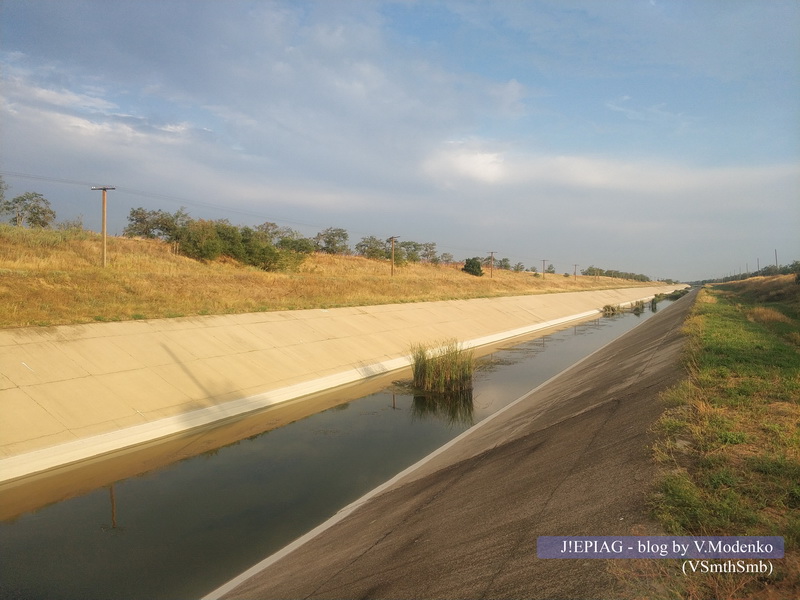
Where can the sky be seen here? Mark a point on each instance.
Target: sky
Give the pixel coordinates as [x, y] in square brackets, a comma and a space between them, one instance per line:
[659, 137]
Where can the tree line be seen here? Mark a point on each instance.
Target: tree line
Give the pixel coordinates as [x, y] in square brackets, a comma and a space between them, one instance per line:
[267, 246]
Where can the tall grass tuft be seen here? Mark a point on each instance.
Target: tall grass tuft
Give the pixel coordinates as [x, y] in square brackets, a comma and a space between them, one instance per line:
[444, 369]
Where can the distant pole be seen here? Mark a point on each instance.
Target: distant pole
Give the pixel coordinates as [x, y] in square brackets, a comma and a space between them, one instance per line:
[758, 265]
[491, 264]
[392, 239]
[575, 272]
[776, 258]
[544, 260]
[105, 189]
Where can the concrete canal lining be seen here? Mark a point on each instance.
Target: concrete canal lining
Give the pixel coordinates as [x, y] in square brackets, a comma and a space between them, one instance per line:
[73, 392]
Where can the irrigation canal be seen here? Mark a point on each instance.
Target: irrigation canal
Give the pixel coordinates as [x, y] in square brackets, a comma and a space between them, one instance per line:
[181, 530]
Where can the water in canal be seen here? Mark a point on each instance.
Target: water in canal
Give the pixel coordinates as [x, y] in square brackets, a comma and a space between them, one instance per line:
[182, 530]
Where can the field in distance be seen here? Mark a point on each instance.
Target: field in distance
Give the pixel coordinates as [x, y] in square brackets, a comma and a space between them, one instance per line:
[50, 277]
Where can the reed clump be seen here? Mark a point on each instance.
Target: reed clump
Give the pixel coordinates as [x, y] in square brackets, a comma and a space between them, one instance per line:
[442, 369]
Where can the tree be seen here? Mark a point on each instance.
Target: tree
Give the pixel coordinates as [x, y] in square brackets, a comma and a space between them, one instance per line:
[446, 258]
[199, 239]
[428, 252]
[300, 245]
[519, 267]
[371, 247]
[332, 240]
[30, 209]
[412, 250]
[156, 224]
[550, 268]
[473, 266]
[230, 237]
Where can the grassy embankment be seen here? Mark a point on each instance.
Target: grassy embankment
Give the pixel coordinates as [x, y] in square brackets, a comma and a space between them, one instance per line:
[730, 438]
[53, 278]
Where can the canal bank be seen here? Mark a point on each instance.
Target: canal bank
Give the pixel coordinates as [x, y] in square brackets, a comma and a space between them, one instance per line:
[74, 392]
[569, 458]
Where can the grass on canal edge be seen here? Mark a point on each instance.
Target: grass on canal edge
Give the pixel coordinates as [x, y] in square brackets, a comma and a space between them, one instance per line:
[729, 441]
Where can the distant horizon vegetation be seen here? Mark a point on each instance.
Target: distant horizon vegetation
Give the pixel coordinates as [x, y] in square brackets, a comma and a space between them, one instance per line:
[271, 247]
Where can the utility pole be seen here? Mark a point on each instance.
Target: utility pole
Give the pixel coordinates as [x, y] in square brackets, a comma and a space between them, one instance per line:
[105, 189]
[544, 260]
[575, 271]
[491, 263]
[776, 258]
[392, 239]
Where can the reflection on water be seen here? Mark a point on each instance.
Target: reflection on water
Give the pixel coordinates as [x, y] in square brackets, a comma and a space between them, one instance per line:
[454, 408]
[182, 530]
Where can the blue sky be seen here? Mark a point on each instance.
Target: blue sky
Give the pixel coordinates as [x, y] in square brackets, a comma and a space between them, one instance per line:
[654, 136]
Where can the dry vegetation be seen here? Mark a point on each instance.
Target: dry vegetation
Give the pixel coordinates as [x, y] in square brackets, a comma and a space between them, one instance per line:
[52, 277]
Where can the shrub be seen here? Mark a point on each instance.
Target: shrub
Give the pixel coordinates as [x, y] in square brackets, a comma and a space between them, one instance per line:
[473, 267]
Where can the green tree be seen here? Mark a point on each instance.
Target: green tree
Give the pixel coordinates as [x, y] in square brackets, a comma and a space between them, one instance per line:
[230, 237]
[156, 224]
[371, 247]
[300, 245]
[332, 240]
[519, 267]
[473, 266]
[199, 240]
[412, 251]
[428, 252]
[31, 208]
[550, 269]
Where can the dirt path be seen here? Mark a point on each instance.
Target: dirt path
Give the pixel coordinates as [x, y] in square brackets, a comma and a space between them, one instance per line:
[569, 459]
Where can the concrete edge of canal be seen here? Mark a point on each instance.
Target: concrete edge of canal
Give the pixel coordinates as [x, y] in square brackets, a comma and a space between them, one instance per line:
[75, 392]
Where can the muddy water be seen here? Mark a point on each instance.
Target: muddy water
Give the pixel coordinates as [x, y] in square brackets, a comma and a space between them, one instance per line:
[181, 530]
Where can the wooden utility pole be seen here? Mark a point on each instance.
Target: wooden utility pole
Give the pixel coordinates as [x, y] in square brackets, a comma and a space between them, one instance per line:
[544, 260]
[105, 189]
[491, 264]
[392, 239]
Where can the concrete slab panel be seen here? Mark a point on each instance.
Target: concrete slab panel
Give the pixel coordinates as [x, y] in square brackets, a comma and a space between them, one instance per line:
[21, 416]
[143, 390]
[196, 379]
[153, 350]
[198, 343]
[241, 369]
[100, 355]
[5, 382]
[33, 364]
[76, 403]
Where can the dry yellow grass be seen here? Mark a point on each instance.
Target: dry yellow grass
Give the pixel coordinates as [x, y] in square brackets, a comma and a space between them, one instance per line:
[54, 277]
[780, 289]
